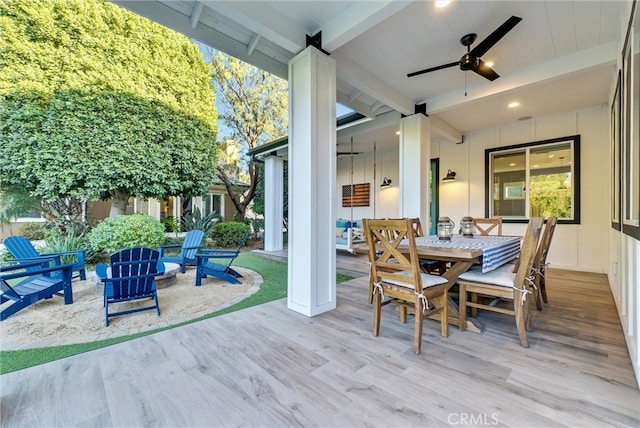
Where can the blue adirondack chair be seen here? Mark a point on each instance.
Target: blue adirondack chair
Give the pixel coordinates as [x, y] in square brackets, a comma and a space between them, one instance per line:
[23, 251]
[207, 266]
[188, 249]
[33, 283]
[130, 276]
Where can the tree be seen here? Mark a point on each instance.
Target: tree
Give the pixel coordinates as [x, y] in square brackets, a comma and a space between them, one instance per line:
[97, 102]
[550, 195]
[255, 111]
[14, 202]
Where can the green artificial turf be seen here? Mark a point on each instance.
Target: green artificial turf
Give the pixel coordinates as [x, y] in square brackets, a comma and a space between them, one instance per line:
[274, 274]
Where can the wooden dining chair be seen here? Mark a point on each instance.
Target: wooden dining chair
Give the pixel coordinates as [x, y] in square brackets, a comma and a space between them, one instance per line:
[397, 276]
[505, 285]
[486, 225]
[540, 261]
[428, 265]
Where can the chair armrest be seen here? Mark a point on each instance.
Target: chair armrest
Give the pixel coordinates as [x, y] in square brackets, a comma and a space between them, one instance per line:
[66, 269]
[132, 277]
[104, 275]
[217, 253]
[41, 258]
[21, 265]
[101, 271]
[80, 255]
[192, 248]
[166, 247]
[162, 248]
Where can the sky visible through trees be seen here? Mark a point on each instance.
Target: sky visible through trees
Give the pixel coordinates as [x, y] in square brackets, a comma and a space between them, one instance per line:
[223, 130]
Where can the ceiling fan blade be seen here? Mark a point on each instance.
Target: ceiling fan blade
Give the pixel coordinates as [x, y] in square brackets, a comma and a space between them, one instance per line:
[493, 38]
[485, 71]
[427, 70]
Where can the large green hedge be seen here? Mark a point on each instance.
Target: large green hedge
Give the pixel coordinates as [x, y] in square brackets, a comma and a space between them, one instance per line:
[98, 102]
[229, 233]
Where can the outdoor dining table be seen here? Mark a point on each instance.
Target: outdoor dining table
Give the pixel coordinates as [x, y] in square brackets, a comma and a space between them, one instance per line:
[463, 252]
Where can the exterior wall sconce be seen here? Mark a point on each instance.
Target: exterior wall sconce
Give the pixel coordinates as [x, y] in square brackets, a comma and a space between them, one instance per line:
[451, 176]
[386, 182]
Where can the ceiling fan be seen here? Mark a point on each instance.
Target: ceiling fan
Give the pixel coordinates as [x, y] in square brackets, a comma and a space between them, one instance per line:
[471, 60]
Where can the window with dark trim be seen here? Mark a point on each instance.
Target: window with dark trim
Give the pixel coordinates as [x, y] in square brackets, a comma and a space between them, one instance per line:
[630, 135]
[537, 179]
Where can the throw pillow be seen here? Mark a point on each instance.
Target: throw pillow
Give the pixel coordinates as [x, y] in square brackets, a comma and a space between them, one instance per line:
[343, 223]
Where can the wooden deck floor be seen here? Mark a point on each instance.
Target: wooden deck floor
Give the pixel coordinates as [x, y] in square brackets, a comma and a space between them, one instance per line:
[268, 366]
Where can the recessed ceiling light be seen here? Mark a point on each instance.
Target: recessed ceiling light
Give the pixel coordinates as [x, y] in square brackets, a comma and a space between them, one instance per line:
[442, 3]
[512, 164]
[513, 104]
[551, 156]
[397, 132]
[535, 166]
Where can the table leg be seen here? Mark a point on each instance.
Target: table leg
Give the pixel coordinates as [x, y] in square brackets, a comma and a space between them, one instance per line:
[452, 276]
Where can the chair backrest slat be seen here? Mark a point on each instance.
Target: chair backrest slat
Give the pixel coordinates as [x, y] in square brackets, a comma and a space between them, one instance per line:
[417, 227]
[486, 225]
[545, 243]
[384, 237]
[133, 271]
[528, 251]
[192, 239]
[20, 247]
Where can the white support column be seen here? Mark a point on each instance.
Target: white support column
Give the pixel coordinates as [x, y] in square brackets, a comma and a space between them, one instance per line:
[273, 197]
[312, 182]
[154, 208]
[415, 158]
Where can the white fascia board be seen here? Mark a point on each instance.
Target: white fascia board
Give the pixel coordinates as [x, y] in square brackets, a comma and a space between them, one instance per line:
[365, 81]
[171, 18]
[355, 105]
[289, 35]
[382, 121]
[358, 18]
[597, 56]
[440, 128]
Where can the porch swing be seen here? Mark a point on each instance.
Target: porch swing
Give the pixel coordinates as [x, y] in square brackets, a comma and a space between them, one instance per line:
[349, 233]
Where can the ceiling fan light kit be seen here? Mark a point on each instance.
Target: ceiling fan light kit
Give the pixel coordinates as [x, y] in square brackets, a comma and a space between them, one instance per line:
[471, 60]
[468, 62]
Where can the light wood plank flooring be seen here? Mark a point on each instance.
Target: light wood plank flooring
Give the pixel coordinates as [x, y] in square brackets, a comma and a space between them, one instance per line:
[268, 366]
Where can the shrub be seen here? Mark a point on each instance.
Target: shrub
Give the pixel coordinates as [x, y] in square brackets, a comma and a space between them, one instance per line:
[72, 239]
[257, 224]
[229, 234]
[135, 230]
[34, 231]
[5, 256]
[170, 224]
[195, 221]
